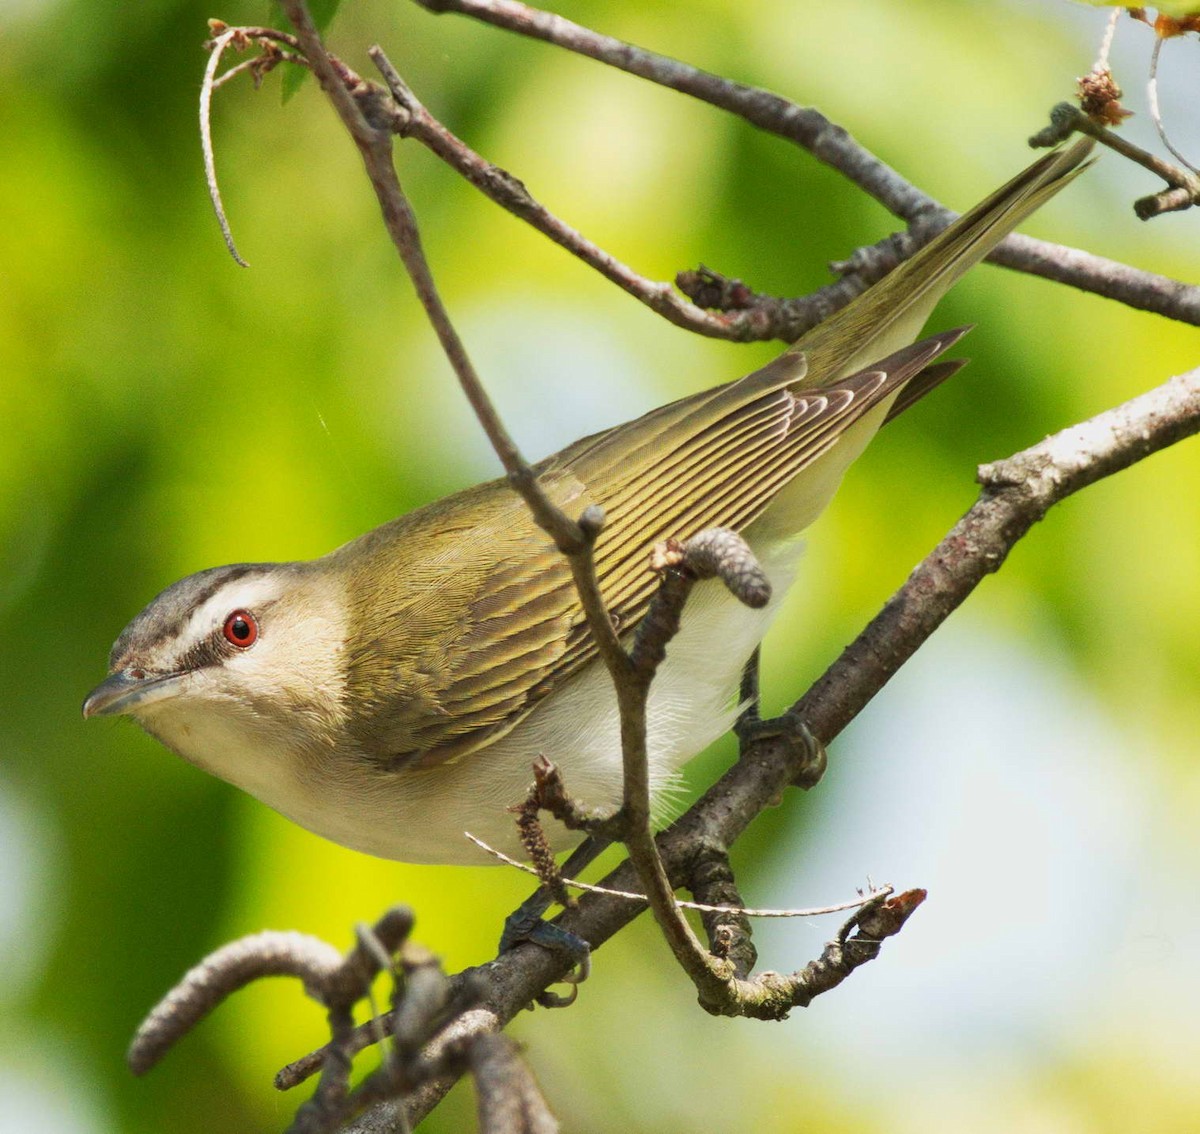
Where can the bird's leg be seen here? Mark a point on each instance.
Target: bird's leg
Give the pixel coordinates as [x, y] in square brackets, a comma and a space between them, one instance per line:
[748, 694]
[526, 924]
[549, 793]
[788, 727]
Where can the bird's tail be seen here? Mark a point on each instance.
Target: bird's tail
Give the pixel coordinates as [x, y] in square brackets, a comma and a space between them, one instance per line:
[891, 313]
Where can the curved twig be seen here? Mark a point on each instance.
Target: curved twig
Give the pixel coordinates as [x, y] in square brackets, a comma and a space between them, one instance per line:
[219, 44]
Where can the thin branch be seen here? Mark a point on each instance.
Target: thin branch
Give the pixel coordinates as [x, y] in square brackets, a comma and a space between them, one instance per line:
[238, 38]
[834, 146]
[507, 1097]
[718, 553]
[1155, 111]
[1184, 186]
[511, 194]
[726, 924]
[221, 42]
[1017, 493]
[700, 907]
[801, 124]
[734, 312]
[375, 148]
[424, 1021]
[1110, 31]
[260, 65]
[218, 976]
[466, 991]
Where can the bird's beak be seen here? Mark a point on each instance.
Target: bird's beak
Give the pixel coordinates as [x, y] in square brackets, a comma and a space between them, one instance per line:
[129, 689]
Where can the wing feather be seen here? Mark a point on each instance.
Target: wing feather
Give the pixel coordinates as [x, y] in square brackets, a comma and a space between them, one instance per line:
[493, 622]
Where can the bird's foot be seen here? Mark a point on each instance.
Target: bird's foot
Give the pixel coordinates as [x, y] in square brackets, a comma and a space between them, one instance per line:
[789, 727]
[526, 924]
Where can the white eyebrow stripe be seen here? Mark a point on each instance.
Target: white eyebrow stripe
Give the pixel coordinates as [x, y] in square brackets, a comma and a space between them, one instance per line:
[239, 594]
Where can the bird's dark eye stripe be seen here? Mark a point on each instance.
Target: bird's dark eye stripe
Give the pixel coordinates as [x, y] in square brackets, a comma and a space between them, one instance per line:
[201, 655]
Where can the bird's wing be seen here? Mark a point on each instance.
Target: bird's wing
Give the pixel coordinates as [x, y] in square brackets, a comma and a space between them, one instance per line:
[456, 646]
[489, 622]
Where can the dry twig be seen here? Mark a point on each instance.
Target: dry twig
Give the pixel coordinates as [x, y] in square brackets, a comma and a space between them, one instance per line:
[1183, 186]
[426, 1006]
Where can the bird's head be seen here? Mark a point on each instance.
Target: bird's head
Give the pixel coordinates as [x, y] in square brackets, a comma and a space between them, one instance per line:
[248, 654]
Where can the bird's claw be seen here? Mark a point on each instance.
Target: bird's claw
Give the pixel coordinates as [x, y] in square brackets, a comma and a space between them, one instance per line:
[794, 732]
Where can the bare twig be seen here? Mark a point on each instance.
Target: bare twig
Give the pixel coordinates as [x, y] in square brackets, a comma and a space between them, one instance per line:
[1155, 111]
[739, 313]
[239, 38]
[218, 976]
[221, 42]
[375, 148]
[511, 194]
[1110, 31]
[834, 146]
[1184, 188]
[261, 65]
[465, 991]
[726, 924]
[426, 1008]
[507, 1097]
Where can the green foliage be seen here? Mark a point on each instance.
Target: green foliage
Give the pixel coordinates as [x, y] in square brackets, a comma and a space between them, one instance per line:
[322, 12]
[162, 410]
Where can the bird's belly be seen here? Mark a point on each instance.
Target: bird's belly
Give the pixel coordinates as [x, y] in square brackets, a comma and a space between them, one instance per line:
[420, 815]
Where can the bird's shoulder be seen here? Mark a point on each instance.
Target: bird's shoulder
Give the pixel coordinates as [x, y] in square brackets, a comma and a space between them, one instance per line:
[457, 611]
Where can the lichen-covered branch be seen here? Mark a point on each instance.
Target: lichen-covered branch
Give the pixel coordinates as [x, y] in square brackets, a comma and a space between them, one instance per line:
[1017, 493]
[424, 1004]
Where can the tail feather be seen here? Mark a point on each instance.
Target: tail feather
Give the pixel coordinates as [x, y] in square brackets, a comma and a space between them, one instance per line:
[893, 311]
[927, 381]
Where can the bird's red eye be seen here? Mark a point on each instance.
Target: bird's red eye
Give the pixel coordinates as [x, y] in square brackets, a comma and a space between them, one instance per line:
[241, 629]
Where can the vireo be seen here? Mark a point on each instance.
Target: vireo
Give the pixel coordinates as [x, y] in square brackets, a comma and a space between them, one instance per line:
[394, 693]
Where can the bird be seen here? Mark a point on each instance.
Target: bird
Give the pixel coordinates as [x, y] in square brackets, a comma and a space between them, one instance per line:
[394, 693]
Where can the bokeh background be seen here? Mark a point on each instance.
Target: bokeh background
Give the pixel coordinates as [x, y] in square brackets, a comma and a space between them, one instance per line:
[163, 411]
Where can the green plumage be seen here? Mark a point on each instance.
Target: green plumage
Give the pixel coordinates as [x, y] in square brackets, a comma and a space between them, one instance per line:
[463, 615]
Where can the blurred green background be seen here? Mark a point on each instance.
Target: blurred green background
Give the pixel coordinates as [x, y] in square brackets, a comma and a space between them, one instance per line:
[164, 411]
